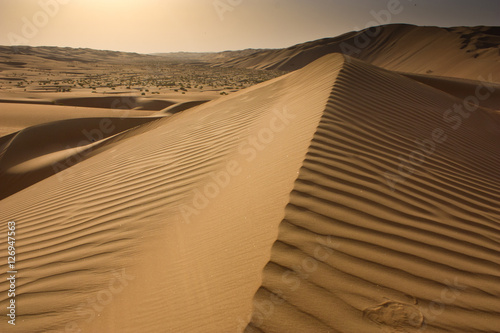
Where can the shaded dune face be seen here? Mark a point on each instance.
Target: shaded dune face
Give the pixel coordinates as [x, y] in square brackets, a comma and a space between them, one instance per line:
[180, 107]
[373, 243]
[18, 116]
[463, 88]
[121, 102]
[41, 151]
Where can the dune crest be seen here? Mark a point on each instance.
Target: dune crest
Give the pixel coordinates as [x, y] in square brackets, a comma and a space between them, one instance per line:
[373, 243]
[464, 52]
[151, 204]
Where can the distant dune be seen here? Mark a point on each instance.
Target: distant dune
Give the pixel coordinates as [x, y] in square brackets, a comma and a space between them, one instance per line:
[456, 52]
[207, 57]
[67, 54]
[345, 196]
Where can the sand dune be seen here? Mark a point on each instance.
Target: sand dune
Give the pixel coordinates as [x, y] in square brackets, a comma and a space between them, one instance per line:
[40, 151]
[455, 52]
[138, 207]
[17, 116]
[461, 88]
[61, 55]
[352, 254]
[180, 107]
[112, 102]
[289, 206]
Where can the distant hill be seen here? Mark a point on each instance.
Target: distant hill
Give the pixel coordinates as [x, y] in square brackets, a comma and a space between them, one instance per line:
[208, 57]
[86, 55]
[68, 54]
[466, 52]
[456, 51]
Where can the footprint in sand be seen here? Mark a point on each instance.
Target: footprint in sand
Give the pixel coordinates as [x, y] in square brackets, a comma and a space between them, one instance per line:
[395, 315]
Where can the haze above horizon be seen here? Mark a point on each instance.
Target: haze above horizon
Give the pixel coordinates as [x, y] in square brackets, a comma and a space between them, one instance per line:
[155, 26]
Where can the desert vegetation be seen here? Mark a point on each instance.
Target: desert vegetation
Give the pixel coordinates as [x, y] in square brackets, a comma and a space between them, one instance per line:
[144, 77]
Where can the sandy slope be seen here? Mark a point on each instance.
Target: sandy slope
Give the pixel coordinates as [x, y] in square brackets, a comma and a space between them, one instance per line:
[461, 88]
[168, 225]
[136, 206]
[17, 116]
[455, 52]
[55, 56]
[37, 152]
[365, 247]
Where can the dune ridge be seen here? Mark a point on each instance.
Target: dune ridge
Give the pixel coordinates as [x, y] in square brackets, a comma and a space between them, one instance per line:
[464, 52]
[131, 206]
[352, 254]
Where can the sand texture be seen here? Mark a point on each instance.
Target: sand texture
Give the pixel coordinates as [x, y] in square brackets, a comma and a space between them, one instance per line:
[350, 195]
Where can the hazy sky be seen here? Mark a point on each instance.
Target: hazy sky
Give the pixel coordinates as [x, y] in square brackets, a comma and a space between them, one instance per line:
[148, 26]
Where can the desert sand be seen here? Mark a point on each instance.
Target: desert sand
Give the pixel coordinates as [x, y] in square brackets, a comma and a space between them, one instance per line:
[463, 52]
[349, 195]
